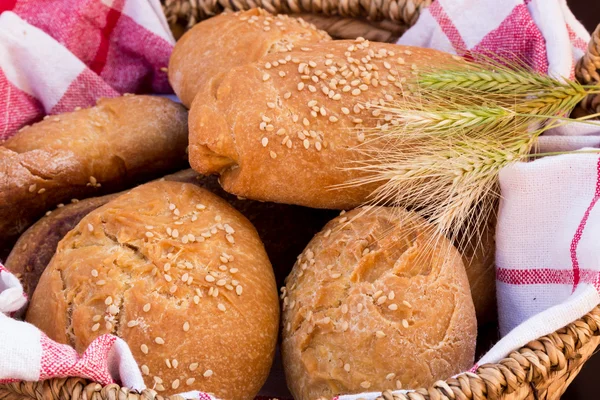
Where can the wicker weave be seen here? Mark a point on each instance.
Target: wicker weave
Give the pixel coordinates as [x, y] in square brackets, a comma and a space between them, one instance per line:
[390, 15]
[588, 71]
[541, 370]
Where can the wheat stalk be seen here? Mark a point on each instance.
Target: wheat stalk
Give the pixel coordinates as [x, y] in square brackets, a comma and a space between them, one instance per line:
[440, 150]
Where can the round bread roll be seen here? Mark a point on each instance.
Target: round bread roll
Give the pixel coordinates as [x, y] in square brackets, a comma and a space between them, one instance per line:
[288, 133]
[205, 53]
[181, 276]
[375, 303]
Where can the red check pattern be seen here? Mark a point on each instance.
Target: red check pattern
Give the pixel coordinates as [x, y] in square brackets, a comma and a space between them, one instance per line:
[110, 53]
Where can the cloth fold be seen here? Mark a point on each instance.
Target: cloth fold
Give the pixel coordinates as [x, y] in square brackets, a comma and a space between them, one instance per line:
[547, 255]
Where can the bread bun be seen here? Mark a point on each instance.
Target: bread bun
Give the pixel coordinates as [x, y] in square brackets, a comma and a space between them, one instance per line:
[205, 53]
[287, 133]
[85, 153]
[181, 276]
[375, 303]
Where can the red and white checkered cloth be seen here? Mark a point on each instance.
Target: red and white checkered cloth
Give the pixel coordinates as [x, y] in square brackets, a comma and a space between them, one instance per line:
[547, 247]
[56, 55]
[547, 254]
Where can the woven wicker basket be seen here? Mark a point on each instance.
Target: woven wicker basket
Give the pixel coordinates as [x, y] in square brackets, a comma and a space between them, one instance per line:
[541, 370]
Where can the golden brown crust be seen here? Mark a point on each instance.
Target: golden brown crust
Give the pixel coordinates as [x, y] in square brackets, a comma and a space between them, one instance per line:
[205, 53]
[368, 308]
[285, 133]
[131, 268]
[85, 153]
[36, 246]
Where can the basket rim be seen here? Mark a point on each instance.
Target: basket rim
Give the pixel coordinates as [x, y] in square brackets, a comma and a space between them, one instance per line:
[532, 364]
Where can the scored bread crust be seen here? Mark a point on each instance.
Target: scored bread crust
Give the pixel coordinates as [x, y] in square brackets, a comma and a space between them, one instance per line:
[288, 133]
[205, 53]
[102, 149]
[197, 315]
[375, 303]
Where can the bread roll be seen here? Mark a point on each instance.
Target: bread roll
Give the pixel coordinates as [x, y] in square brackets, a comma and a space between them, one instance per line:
[286, 133]
[181, 276]
[205, 53]
[37, 245]
[86, 153]
[284, 229]
[375, 303]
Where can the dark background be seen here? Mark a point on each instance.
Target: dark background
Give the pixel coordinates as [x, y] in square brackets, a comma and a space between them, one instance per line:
[585, 386]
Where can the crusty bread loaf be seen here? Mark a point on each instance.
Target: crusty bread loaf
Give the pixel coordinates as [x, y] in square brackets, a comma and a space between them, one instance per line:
[181, 276]
[375, 303]
[286, 133]
[36, 246]
[284, 229]
[85, 153]
[211, 48]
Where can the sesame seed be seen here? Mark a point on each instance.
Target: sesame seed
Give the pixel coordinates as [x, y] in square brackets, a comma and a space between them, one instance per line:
[190, 381]
[233, 270]
[112, 309]
[144, 349]
[175, 384]
[230, 239]
[390, 376]
[264, 141]
[391, 295]
[238, 290]
[196, 299]
[168, 363]
[173, 289]
[345, 110]
[168, 278]
[312, 89]
[356, 92]
[273, 154]
[159, 340]
[95, 327]
[393, 307]
[398, 385]
[306, 143]
[108, 326]
[96, 318]
[146, 307]
[282, 74]
[221, 282]
[193, 366]
[42, 190]
[287, 95]
[108, 301]
[186, 326]
[132, 323]
[318, 146]
[175, 233]
[208, 373]
[200, 206]
[145, 370]
[157, 379]
[333, 118]
[347, 367]
[221, 307]
[359, 307]
[268, 65]
[266, 77]
[101, 282]
[405, 323]
[270, 105]
[365, 384]
[380, 334]
[94, 273]
[312, 64]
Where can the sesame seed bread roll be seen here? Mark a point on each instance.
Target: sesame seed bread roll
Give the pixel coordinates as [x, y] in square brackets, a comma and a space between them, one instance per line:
[369, 307]
[181, 276]
[98, 150]
[205, 53]
[285, 133]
